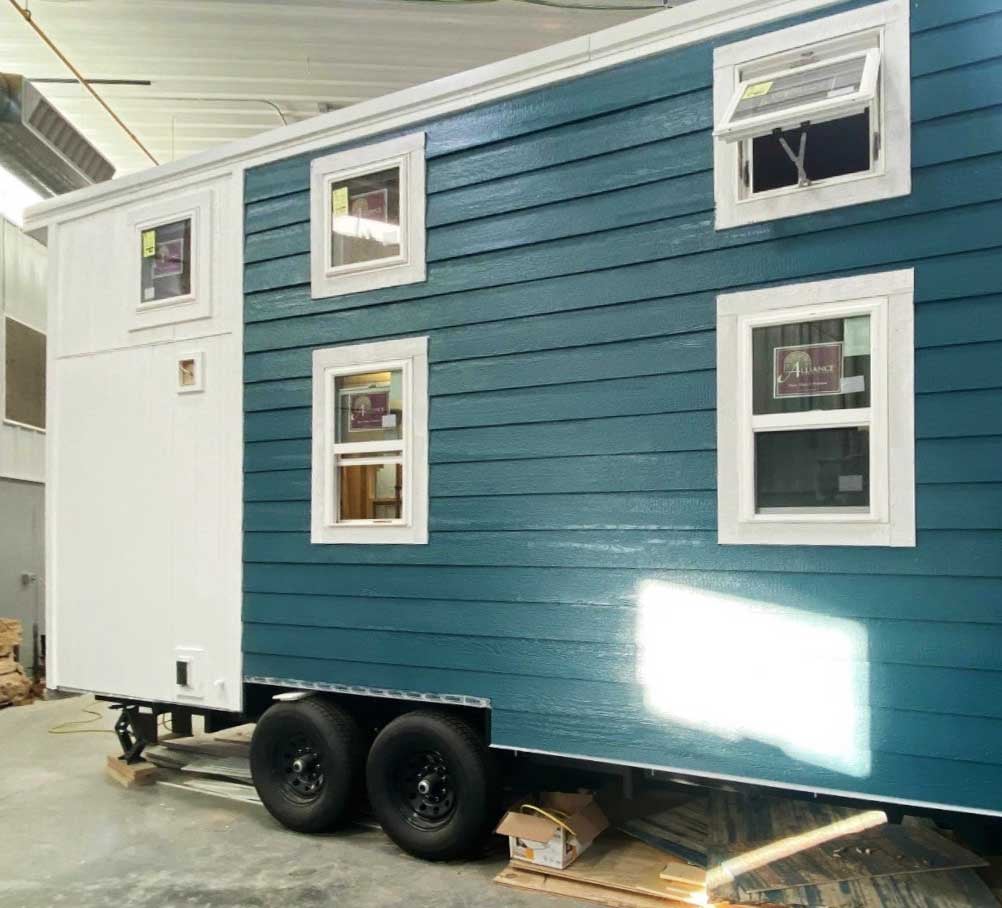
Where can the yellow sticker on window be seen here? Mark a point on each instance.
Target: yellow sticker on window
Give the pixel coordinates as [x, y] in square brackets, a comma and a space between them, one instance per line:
[339, 201]
[149, 243]
[756, 91]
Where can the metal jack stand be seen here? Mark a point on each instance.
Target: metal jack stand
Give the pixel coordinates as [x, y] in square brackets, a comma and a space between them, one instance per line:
[129, 735]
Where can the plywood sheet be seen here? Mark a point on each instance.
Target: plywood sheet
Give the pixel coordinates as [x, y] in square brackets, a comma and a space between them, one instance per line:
[887, 851]
[518, 878]
[681, 831]
[944, 889]
[616, 861]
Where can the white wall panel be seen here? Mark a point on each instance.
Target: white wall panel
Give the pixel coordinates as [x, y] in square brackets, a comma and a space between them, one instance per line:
[145, 482]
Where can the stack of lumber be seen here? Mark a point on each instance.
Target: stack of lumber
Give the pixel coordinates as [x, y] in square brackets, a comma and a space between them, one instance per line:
[15, 686]
[760, 850]
[215, 764]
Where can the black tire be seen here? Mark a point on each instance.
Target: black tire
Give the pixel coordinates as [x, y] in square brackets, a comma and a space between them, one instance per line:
[311, 796]
[451, 818]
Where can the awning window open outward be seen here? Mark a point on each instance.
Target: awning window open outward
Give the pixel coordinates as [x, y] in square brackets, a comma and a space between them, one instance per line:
[834, 88]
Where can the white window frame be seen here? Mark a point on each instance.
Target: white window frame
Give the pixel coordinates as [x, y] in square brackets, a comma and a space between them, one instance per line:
[7, 421]
[751, 61]
[410, 355]
[888, 298]
[198, 208]
[405, 153]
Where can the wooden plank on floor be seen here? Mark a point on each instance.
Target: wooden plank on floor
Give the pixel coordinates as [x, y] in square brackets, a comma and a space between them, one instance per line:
[617, 861]
[887, 851]
[943, 889]
[539, 882]
[130, 775]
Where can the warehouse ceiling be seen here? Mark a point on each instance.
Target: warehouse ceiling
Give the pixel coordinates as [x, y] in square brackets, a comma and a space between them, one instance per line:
[190, 74]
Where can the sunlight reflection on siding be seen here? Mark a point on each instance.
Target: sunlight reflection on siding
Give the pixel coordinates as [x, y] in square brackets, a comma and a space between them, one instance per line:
[742, 669]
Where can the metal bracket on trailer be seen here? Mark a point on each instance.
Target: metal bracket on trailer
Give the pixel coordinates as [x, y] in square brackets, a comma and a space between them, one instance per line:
[358, 690]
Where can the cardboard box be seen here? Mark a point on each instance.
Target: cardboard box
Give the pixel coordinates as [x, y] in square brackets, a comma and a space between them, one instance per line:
[535, 838]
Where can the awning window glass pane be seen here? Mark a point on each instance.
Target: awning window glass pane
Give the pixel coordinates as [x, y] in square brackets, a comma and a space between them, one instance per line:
[815, 365]
[166, 261]
[813, 469]
[795, 89]
[365, 218]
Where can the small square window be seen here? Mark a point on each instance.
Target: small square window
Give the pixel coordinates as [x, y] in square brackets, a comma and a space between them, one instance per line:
[190, 373]
[171, 260]
[812, 399]
[813, 117]
[368, 208]
[166, 262]
[370, 443]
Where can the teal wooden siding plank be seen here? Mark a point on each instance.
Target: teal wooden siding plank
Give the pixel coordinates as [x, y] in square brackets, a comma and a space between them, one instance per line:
[975, 554]
[655, 160]
[966, 367]
[673, 392]
[940, 507]
[619, 659]
[940, 598]
[960, 506]
[967, 321]
[602, 133]
[928, 779]
[286, 240]
[608, 211]
[957, 44]
[930, 14]
[955, 90]
[292, 208]
[684, 470]
[960, 413]
[692, 431]
[970, 459]
[940, 645]
[276, 455]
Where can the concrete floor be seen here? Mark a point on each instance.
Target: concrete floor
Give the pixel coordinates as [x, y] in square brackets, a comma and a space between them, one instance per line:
[71, 836]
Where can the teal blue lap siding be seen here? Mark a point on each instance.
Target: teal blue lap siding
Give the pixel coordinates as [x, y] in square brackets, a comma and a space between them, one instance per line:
[570, 306]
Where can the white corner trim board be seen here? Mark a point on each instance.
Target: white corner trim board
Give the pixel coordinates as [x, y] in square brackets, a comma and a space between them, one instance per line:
[659, 32]
[888, 415]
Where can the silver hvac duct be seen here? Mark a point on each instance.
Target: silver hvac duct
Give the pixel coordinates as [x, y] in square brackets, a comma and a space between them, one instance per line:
[40, 147]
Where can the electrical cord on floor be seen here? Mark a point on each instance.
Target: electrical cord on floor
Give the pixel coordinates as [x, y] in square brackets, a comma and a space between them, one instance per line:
[63, 727]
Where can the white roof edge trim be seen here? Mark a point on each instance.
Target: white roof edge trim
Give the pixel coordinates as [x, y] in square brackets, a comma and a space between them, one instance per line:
[688, 24]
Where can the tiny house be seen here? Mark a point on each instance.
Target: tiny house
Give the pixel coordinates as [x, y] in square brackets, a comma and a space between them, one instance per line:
[634, 401]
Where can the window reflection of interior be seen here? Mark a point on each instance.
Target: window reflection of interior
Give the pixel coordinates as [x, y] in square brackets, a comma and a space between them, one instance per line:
[802, 467]
[365, 218]
[368, 446]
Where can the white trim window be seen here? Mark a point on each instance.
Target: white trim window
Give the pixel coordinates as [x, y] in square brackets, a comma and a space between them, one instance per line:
[813, 117]
[370, 443]
[815, 413]
[170, 260]
[367, 224]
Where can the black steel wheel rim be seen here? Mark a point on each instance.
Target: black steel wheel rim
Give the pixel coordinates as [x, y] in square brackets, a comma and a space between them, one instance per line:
[425, 791]
[298, 763]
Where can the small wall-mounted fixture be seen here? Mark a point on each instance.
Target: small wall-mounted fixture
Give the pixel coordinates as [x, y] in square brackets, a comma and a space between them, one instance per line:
[190, 372]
